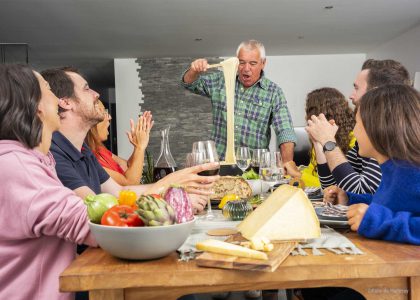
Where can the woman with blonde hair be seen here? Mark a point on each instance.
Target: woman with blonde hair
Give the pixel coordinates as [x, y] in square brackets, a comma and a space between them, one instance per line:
[124, 172]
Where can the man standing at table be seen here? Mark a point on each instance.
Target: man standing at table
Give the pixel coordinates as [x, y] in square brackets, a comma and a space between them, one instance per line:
[259, 103]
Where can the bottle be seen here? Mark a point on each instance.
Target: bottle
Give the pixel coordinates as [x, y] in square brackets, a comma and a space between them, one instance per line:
[165, 164]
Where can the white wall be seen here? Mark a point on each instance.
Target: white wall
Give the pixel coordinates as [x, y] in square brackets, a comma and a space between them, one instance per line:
[128, 96]
[405, 48]
[297, 75]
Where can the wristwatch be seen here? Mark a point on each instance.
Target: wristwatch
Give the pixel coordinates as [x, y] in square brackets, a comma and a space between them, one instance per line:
[329, 146]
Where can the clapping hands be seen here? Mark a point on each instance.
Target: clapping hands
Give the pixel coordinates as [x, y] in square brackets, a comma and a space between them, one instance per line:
[139, 133]
[321, 130]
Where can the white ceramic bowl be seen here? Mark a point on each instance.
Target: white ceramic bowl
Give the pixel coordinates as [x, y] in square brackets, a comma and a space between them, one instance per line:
[258, 186]
[141, 242]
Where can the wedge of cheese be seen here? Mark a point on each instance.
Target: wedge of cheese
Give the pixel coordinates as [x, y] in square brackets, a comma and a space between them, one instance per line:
[287, 214]
[220, 247]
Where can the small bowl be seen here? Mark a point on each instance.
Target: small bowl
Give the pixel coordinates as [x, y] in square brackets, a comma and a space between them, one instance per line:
[141, 243]
[258, 186]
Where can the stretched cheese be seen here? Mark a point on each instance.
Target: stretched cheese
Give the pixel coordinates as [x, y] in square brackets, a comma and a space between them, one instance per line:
[220, 247]
[230, 67]
[287, 214]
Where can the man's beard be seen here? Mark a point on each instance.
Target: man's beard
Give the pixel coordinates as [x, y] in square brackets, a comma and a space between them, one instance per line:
[91, 116]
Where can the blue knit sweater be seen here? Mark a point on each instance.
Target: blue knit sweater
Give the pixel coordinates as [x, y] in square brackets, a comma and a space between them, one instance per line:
[394, 210]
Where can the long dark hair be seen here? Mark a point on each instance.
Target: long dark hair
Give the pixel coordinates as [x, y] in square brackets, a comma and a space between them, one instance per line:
[20, 95]
[333, 104]
[391, 117]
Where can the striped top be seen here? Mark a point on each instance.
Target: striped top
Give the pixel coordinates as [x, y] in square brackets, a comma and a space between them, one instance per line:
[359, 175]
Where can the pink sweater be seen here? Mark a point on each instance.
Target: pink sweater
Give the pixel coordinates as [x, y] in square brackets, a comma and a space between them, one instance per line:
[40, 223]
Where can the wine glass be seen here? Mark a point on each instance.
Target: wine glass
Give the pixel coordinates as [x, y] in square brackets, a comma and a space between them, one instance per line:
[205, 153]
[271, 168]
[243, 158]
[256, 159]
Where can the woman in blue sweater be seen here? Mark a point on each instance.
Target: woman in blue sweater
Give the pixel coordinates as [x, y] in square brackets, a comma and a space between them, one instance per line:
[388, 130]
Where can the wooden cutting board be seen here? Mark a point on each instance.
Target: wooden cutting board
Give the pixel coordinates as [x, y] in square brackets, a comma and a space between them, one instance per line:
[275, 258]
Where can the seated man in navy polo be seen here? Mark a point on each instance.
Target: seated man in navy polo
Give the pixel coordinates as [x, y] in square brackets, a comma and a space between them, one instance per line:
[76, 165]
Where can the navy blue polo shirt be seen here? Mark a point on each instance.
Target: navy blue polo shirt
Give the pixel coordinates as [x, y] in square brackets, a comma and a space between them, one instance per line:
[76, 168]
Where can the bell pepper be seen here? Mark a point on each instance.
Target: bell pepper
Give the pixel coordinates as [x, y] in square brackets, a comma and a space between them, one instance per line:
[121, 216]
[127, 197]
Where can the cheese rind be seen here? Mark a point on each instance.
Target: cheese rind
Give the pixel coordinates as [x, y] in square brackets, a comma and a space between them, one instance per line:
[287, 214]
[220, 247]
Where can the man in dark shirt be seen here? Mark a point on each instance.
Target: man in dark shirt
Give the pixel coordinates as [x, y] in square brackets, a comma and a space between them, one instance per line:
[77, 167]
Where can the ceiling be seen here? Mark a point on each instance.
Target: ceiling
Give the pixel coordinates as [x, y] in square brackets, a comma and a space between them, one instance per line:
[90, 33]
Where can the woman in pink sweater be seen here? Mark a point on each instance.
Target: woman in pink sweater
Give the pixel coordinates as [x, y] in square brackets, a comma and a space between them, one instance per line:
[41, 221]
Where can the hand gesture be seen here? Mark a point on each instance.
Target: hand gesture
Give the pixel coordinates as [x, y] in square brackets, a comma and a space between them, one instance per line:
[199, 65]
[139, 133]
[321, 130]
[334, 195]
[198, 202]
[355, 215]
[291, 169]
[190, 180]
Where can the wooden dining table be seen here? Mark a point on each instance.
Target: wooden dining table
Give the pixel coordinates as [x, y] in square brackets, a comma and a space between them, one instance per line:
[385, 271]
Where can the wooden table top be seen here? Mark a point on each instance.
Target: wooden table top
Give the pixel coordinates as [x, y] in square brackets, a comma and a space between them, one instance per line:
[95, 269]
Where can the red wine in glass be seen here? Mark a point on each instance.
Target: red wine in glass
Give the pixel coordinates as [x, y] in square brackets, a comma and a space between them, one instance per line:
[209, 172]
[159, 172]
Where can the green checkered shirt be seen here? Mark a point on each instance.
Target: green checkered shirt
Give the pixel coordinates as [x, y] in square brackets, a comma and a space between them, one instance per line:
[256, 108]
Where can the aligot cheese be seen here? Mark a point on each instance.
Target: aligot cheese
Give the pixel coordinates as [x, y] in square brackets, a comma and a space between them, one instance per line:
[220, 247]
[287, 214]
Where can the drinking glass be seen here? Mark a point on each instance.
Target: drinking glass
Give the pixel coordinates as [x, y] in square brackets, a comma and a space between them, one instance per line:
[243, 158]
[205, 152]
[271, 168]
[256, 159]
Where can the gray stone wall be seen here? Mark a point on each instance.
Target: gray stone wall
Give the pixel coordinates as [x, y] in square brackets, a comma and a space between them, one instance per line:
[189, 115]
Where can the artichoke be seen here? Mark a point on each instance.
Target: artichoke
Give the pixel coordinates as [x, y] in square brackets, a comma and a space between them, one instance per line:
[154, 211]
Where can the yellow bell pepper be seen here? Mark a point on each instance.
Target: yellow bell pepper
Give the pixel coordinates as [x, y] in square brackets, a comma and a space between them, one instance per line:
[227, 198]
[127, 197]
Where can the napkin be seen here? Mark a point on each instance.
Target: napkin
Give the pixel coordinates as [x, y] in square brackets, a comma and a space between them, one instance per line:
[330, 240]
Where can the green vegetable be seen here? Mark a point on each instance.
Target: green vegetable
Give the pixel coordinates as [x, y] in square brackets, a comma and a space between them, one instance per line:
[250, 175]
[97, 205]
[256, 200]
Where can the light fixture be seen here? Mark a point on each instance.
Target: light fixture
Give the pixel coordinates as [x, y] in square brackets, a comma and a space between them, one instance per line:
[328, 7]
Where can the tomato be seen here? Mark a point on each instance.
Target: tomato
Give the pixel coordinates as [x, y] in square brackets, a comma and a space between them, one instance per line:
[122, 216]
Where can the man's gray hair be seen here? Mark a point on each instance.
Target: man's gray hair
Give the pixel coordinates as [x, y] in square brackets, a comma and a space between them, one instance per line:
[251, 45]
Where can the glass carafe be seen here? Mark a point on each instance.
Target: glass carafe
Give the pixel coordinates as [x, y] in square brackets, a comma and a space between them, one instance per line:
[165, 164]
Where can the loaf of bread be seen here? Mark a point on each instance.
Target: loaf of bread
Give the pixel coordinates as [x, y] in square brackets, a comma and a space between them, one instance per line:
[231, 185]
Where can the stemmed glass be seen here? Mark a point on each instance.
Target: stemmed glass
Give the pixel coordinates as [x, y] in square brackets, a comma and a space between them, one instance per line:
[271, 170]
[205, 152]
[243, 158]
[256, 159]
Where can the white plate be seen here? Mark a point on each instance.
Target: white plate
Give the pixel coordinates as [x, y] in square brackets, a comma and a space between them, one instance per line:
[333, 223]
[258, 186]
